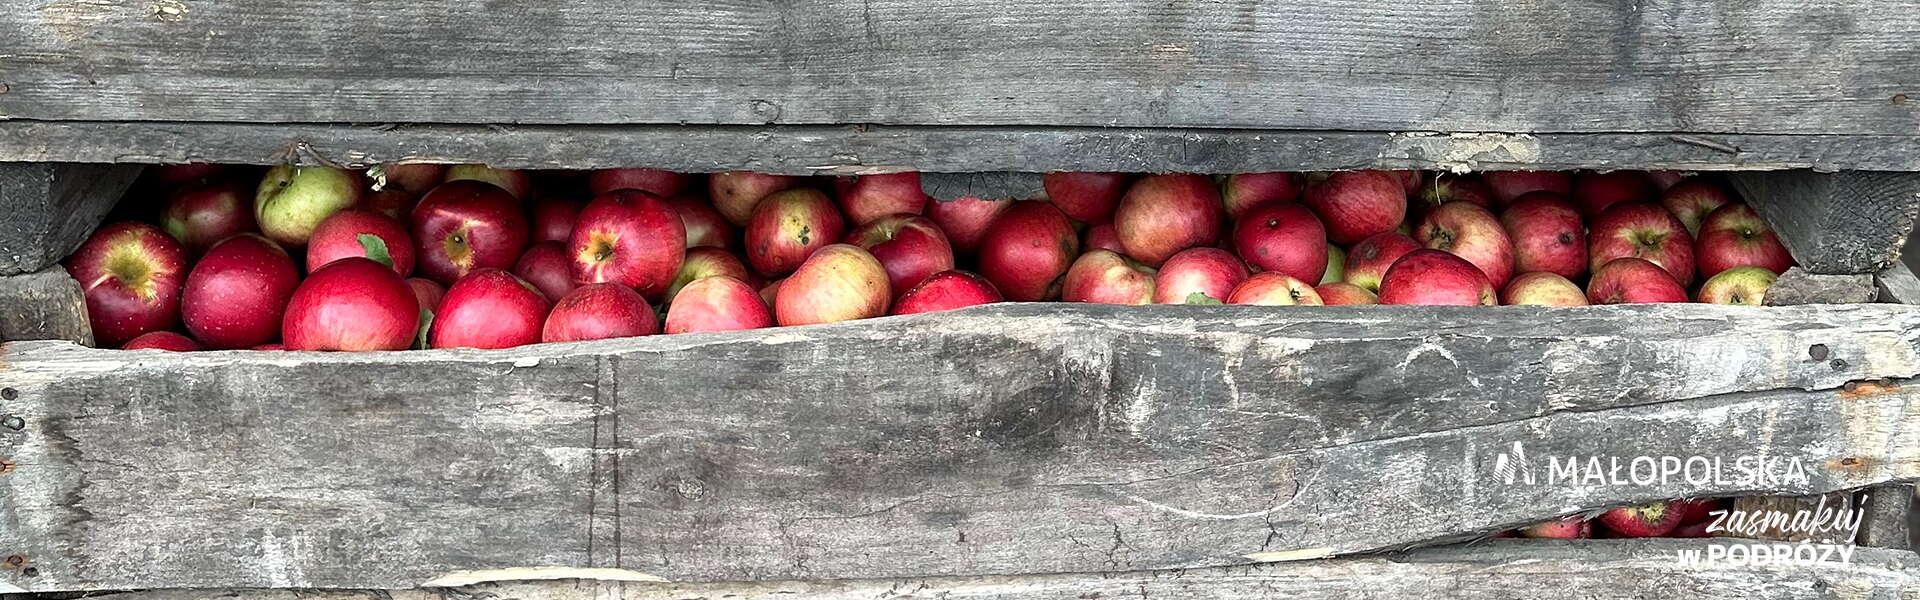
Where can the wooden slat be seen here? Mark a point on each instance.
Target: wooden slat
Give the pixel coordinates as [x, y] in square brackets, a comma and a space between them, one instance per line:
[47, 305]
[51, 207]
[1769, 66]
[1898, 285]
[1501, 569]
[996, 440]
[848, 149]
[1885, 515]
[1849, 223]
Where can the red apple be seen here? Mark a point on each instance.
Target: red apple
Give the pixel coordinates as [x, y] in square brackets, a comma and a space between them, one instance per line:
[1198, 276]
[719, 303]
[841, 282]
[1244, 191]
[466, 225]
[1086, 197]
[631, 238]
[514, 182]
[736, 193]
[237, 294]
[704, 262]
[1509, 185]
[1357, 204]
[393, 204]
[1547, 235]
[1027, 251]
[1103, 277]
[1566, 528]
[705, 226]
[947, 290]
[1164, 214]
[1274, 289]
[549, 267]
[1103, 237]
[1594, 193]
[1692, 200]
[790, 226]
[1338, 293]
[870, 197]
[1735, 236]
[1369, 260]
[1630, 280]
[340, 236]
[1542, 289]
[291, 201]
[162, 340]
[130, 275]
[199, 215]
[911, 248]
[1642, 230]
[1472, 233]
[1646, 520]
[427, 293]
[665, 184]
[553, 219]
[1409, 179]
[597, 312]
[489, 308]
[1434, 277]
[1665, 180]
[1745, 286]
[1285, 238]
[184, 174]
[965, 220]
[413, 179]
[352, 304]
[1444, 187]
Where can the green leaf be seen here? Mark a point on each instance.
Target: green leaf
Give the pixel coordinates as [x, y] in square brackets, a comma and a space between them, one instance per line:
[1202, 298]
[376, 249]
[426, 324]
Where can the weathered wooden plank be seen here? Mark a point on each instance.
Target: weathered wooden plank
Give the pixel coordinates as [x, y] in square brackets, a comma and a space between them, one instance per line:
[1797, 286]
[855, 149]
[51, 207]
[1000, 439]
[1771, 66]
[47, 305]
[1886, 510]
[1500, 569]
[1898, 285]
[992, 185]
[1836, 223]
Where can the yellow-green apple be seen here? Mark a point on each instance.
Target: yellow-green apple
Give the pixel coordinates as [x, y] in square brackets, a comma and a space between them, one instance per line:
[1103, 237]
[788, 226]
[1086, 197]
[841, 282]
[464, 225]
[1336, 265]
[1547, 235]
[1630, 280]
[1746, 286]
[910, 246]
[1434, 277]
[870, 197]
[1368, 260]
[1243, 192]
[719, 303]
[162, 340]
[1104, 277]
[1509, 185]
[1355, 205]
[736, 193]
[130, 275]
[1273, 288]
[628, 237]
[599, 311]
[237, 293]
[1164, 214]
[1284, 238]
[1642, 230]
[665, 184]
[965, 220]
[1595, 192]
[352, 304]
[705, 262]
[1735, 236]
[340, 236]
[1540, 288]
[553, 218]
[1693, 199]
[515, 182]
[1337, 293]
[549, 267]
[489, 308]
[705, 225]
[200, 214]
[1199, 276]
[1027, 250]
[291, 201]
[1472, 233]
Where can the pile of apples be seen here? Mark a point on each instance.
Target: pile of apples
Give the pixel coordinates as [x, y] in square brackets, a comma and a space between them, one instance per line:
[1665, 518]
[467, 256]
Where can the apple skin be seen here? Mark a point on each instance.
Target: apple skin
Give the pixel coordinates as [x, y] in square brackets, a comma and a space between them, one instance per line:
[665, 184]
[1442, 188]
[162, 340]
[1542, 289]
[199, 215]
[1692, 200]
[466, 225]
[413, 179]
[718, 303]
[1340, 293]
[1164, 214]
[1198, 275]
[1472, 233]
[789, 226]
[351, 304]
[291, 201]
[736, 193]
[1274, 289]
[1354, 205]
[427, 293]
[1105, 277]
[130, 275]
[1642, 230]
[1665, 180]
[177, 175]
[1027, 250]
[869, 197]
[1242, 192]
[1409, 179]
[1509, 185]
[598, 312]
[1336, 265]
[771, 292]
[1735, 236]
[1368, 261]
[841, 282]
[237, 293]
[1594, 193]
[394, 204]
[487, 309]
[1548, 235]
[1647, 520]
[1086, 197]
[1103, 237]
[704, 262]
[549, 267]
[911, 248]
[628, 237]
[1630, 280]
[514, 182]
[1744, 286]
[553, 219]
[947, 290]
[705, 225]
[1436, 278]
[1284, 238]
[965, 220]
[1565, 528]
[339, 237]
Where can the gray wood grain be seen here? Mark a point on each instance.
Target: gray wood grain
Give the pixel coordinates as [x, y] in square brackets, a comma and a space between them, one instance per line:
[997, 440]
[1766, 66]
[47, 305]
[799, 149]
[1850, 222]
[51, 207]
[1797, 286]
[1886, 511]
[1898, 285]
[1498, 569]
[993, 185]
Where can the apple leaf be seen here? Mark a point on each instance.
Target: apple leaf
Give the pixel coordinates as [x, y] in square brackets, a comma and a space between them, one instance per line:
[426, 324]
[1202, 298]
[376, 249]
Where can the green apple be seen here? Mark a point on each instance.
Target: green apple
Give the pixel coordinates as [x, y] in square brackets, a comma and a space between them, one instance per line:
[1745, 286]
[292, 201]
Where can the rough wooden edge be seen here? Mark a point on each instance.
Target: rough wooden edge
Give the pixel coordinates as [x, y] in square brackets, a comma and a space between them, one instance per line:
[1898, 285]
[852, 149]
[1846, 223]
[993, 186]
[48, 209]
[1797, 287]
[46, 305]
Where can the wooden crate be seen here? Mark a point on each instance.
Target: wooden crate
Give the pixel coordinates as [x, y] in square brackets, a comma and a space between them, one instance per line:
[1152, 451]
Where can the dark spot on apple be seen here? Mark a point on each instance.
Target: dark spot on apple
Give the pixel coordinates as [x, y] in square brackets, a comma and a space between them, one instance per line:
[806, 235]
[1566, 238]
